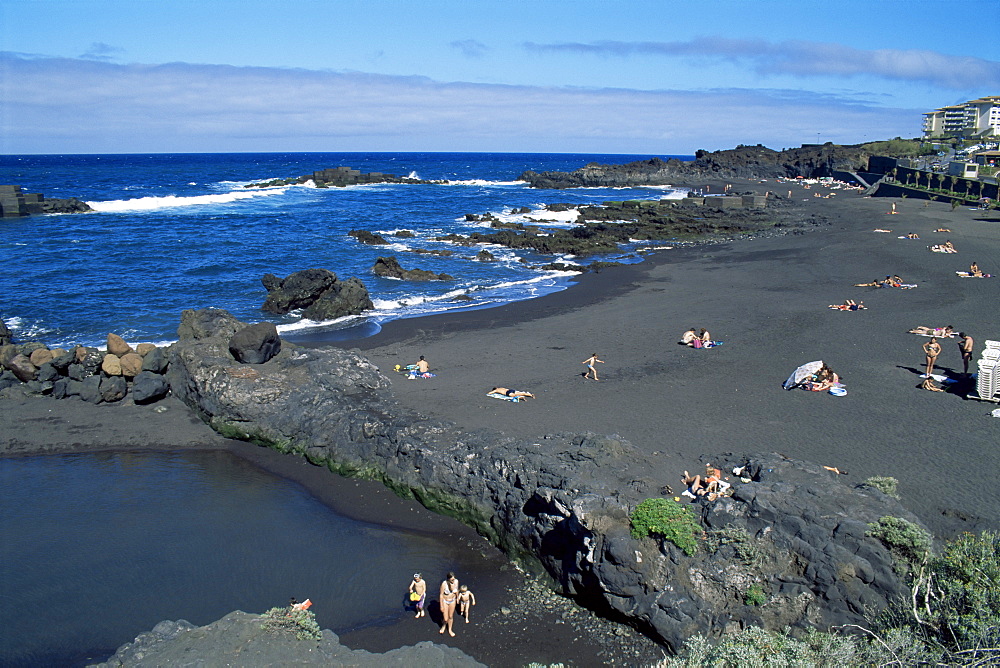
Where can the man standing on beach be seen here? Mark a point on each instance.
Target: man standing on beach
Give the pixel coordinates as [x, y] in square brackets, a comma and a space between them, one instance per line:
[931, 349]
[965, 346]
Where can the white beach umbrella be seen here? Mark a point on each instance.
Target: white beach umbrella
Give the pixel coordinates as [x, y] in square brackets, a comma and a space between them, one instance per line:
[800, 374]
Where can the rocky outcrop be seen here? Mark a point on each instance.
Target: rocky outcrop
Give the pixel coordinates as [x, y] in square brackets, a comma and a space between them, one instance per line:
[369, 238]
[239, 639]
[389, 268]
[562, 502]
[318, 293]
[744, 162]
[340, 177]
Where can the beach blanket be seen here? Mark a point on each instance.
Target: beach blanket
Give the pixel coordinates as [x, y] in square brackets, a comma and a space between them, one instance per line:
[427, 374]
[941, 249]
[938, 336]
[497, 395]
[969, 274]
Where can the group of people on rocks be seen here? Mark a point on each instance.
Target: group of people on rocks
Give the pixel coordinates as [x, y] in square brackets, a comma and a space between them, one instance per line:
[451, 597]
[709, 485]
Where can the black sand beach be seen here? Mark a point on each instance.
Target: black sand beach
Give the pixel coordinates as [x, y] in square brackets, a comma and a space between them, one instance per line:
[766, 298]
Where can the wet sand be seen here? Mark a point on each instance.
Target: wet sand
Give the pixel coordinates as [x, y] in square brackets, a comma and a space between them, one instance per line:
[766, 298]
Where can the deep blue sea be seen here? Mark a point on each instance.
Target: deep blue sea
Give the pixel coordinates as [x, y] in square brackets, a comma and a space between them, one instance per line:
[179, 231]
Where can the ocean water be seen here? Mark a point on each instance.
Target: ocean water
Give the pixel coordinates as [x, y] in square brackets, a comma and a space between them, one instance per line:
[98, 548]
[179, 231]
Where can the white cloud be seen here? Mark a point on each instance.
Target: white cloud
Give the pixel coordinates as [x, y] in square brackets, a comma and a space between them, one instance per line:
[809, 59]
[470, 48]
[68, 105]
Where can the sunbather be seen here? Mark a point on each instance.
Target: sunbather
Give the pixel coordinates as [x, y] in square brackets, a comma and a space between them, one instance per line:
[944, 332]
[946, 247]
[849, 305]
[510, 393]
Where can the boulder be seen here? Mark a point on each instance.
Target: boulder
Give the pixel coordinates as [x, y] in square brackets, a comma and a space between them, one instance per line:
[155, 360]
[255, 344]
[207, 322]
[117, 345]
[47, 373]
[22, 368]
[8, 379]
[90, 389]
[63, 359]
[318, 293]
[149, 387]
[131, 364]
[66, 387]
[389, 268]
[5, 336]
[485, 256]
[40, 356]
[144, 348]
[112, 389]
[112, 365]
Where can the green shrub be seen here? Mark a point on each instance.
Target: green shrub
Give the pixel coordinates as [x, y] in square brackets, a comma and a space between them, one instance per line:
[755, 595]
[746, 548]
[907, 541]
[884, 484]
[966, 602]
[669, 520]
[300, 622]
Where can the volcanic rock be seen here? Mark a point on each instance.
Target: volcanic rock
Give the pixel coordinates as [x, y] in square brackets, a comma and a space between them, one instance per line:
[40, 356]
[22, 367]
[5, 335]
[366, 237]
[562, 502]
[389, 267]
[149, 387]
[255, 344]
[112, 365]
[131, 364]
[318, 293]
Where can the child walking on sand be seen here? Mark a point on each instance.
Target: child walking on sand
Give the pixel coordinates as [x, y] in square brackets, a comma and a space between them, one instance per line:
[466, 599]
[418, 594]
[590, 362]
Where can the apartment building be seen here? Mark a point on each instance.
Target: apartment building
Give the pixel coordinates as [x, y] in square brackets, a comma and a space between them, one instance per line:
[973, 119]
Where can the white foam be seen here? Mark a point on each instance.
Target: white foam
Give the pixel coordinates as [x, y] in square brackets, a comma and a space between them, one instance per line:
[170, 201]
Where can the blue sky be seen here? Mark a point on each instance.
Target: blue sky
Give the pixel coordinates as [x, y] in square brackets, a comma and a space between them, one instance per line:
[656, 77]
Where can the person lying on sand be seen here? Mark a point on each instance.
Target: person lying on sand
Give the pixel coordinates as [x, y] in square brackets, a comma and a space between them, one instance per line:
[942, 229]
[877, 229]
[849, 305]
[511, 393]
[912, 235]
[874, 284]
[946, 247]
[942, 332]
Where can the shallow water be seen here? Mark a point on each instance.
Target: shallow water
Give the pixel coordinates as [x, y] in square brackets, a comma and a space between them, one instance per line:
[98, 548]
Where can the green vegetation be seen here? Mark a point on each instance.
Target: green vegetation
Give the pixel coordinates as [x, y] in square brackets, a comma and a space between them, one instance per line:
[907, 541]
[669, 520]
[885, 484]
[746, 548]
[951, 617]
[899, 148]
[300, 622]
[755, 595]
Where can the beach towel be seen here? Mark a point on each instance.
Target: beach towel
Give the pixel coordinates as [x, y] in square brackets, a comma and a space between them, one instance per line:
[969, 274]
[497, 395]
[941, 249]
[426, 374]
[939, 378]
[938, 336]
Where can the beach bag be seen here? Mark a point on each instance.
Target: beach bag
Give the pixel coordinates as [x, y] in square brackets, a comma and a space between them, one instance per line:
[696, 343]
[414, 596]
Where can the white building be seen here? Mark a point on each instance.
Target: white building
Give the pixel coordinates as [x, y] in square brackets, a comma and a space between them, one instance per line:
[975, 118]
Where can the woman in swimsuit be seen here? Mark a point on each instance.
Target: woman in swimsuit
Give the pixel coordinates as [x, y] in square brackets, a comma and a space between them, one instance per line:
[448, 599]
[931, 349]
